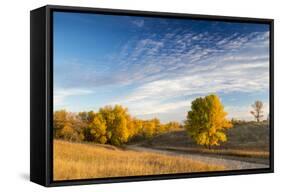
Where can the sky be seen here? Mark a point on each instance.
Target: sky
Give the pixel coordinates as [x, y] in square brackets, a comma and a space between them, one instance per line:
[156, 66]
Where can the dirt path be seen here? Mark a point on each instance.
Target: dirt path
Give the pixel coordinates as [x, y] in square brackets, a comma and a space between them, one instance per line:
[227, 163]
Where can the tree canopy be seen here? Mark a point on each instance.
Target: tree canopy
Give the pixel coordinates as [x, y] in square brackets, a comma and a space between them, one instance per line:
[206, 121]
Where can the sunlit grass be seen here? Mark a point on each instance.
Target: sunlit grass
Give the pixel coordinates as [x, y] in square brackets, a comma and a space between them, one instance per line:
[230, 152]
[82, 161]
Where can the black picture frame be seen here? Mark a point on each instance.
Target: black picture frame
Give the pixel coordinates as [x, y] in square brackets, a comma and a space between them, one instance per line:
[41, 95]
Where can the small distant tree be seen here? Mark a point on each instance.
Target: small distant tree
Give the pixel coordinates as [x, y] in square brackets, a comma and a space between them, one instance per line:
[257, 111]
[206, 122]
[173, 125]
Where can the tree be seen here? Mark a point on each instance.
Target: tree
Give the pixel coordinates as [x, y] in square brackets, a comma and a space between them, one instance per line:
[257, 110]
[134, 126]
[98, 129]
[148, 128]
[172, 125]
[67, 125]
[116, 119]
[59, 121]
[69, 133]
[86, 117]
[206, 122]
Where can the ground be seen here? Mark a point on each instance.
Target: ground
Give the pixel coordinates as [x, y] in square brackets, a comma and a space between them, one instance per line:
[83, 161]
[173, 152]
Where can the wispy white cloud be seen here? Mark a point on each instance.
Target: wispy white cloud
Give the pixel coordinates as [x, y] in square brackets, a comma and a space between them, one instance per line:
[138, 22]
[61, 94]
[167, 57]
[198, 71]
[156, 108]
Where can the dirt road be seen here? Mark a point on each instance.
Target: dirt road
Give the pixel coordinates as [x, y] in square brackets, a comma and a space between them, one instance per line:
[227, 163]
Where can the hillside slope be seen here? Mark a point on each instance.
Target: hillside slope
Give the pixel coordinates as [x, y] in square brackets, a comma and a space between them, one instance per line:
[246, 141]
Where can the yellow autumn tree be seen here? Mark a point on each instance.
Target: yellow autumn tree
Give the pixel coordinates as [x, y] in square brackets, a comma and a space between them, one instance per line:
[148, 128]
[116, 119]
[67, 125]
[172, 125]
[98, 129]
[59, 121]
[69, 133]
[206, 122]
[134, 126]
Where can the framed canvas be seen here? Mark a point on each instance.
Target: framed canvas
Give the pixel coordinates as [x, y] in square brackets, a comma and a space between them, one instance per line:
[123, 95]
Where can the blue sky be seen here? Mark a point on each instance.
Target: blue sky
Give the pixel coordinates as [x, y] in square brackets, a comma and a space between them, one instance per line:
[156, 66]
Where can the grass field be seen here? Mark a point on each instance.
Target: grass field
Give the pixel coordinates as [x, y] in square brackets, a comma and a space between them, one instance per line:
[248, 142]
[81, 161]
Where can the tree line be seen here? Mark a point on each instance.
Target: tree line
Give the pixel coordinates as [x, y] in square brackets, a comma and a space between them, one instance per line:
[110, 125]
[206, 123]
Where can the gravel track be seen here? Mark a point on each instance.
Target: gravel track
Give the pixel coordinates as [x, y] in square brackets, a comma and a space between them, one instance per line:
[229, 164]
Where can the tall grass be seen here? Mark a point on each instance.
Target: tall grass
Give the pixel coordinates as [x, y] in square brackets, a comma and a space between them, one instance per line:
[83, 161]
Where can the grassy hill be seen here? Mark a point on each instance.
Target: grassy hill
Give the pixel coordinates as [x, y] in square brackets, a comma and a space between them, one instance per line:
[83, 161]
[249, 135]
[245, 139]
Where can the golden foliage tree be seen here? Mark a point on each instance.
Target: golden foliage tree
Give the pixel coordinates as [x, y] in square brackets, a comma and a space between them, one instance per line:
[116, 119]
[86, 117]
[148, 128]
[134, 127]
[206, 122]
[172, 125]
[69, 133]
[98, 129]
[59, 121]
[67, 126]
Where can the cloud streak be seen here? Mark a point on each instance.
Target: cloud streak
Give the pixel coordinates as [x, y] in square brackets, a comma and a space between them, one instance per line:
[138, 23]
[60, 94]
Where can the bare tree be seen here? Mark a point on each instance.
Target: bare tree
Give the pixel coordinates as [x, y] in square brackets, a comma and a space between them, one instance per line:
[257, 110]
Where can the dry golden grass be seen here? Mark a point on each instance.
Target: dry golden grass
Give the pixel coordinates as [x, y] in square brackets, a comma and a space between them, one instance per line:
[230, 152]
[84, 161]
